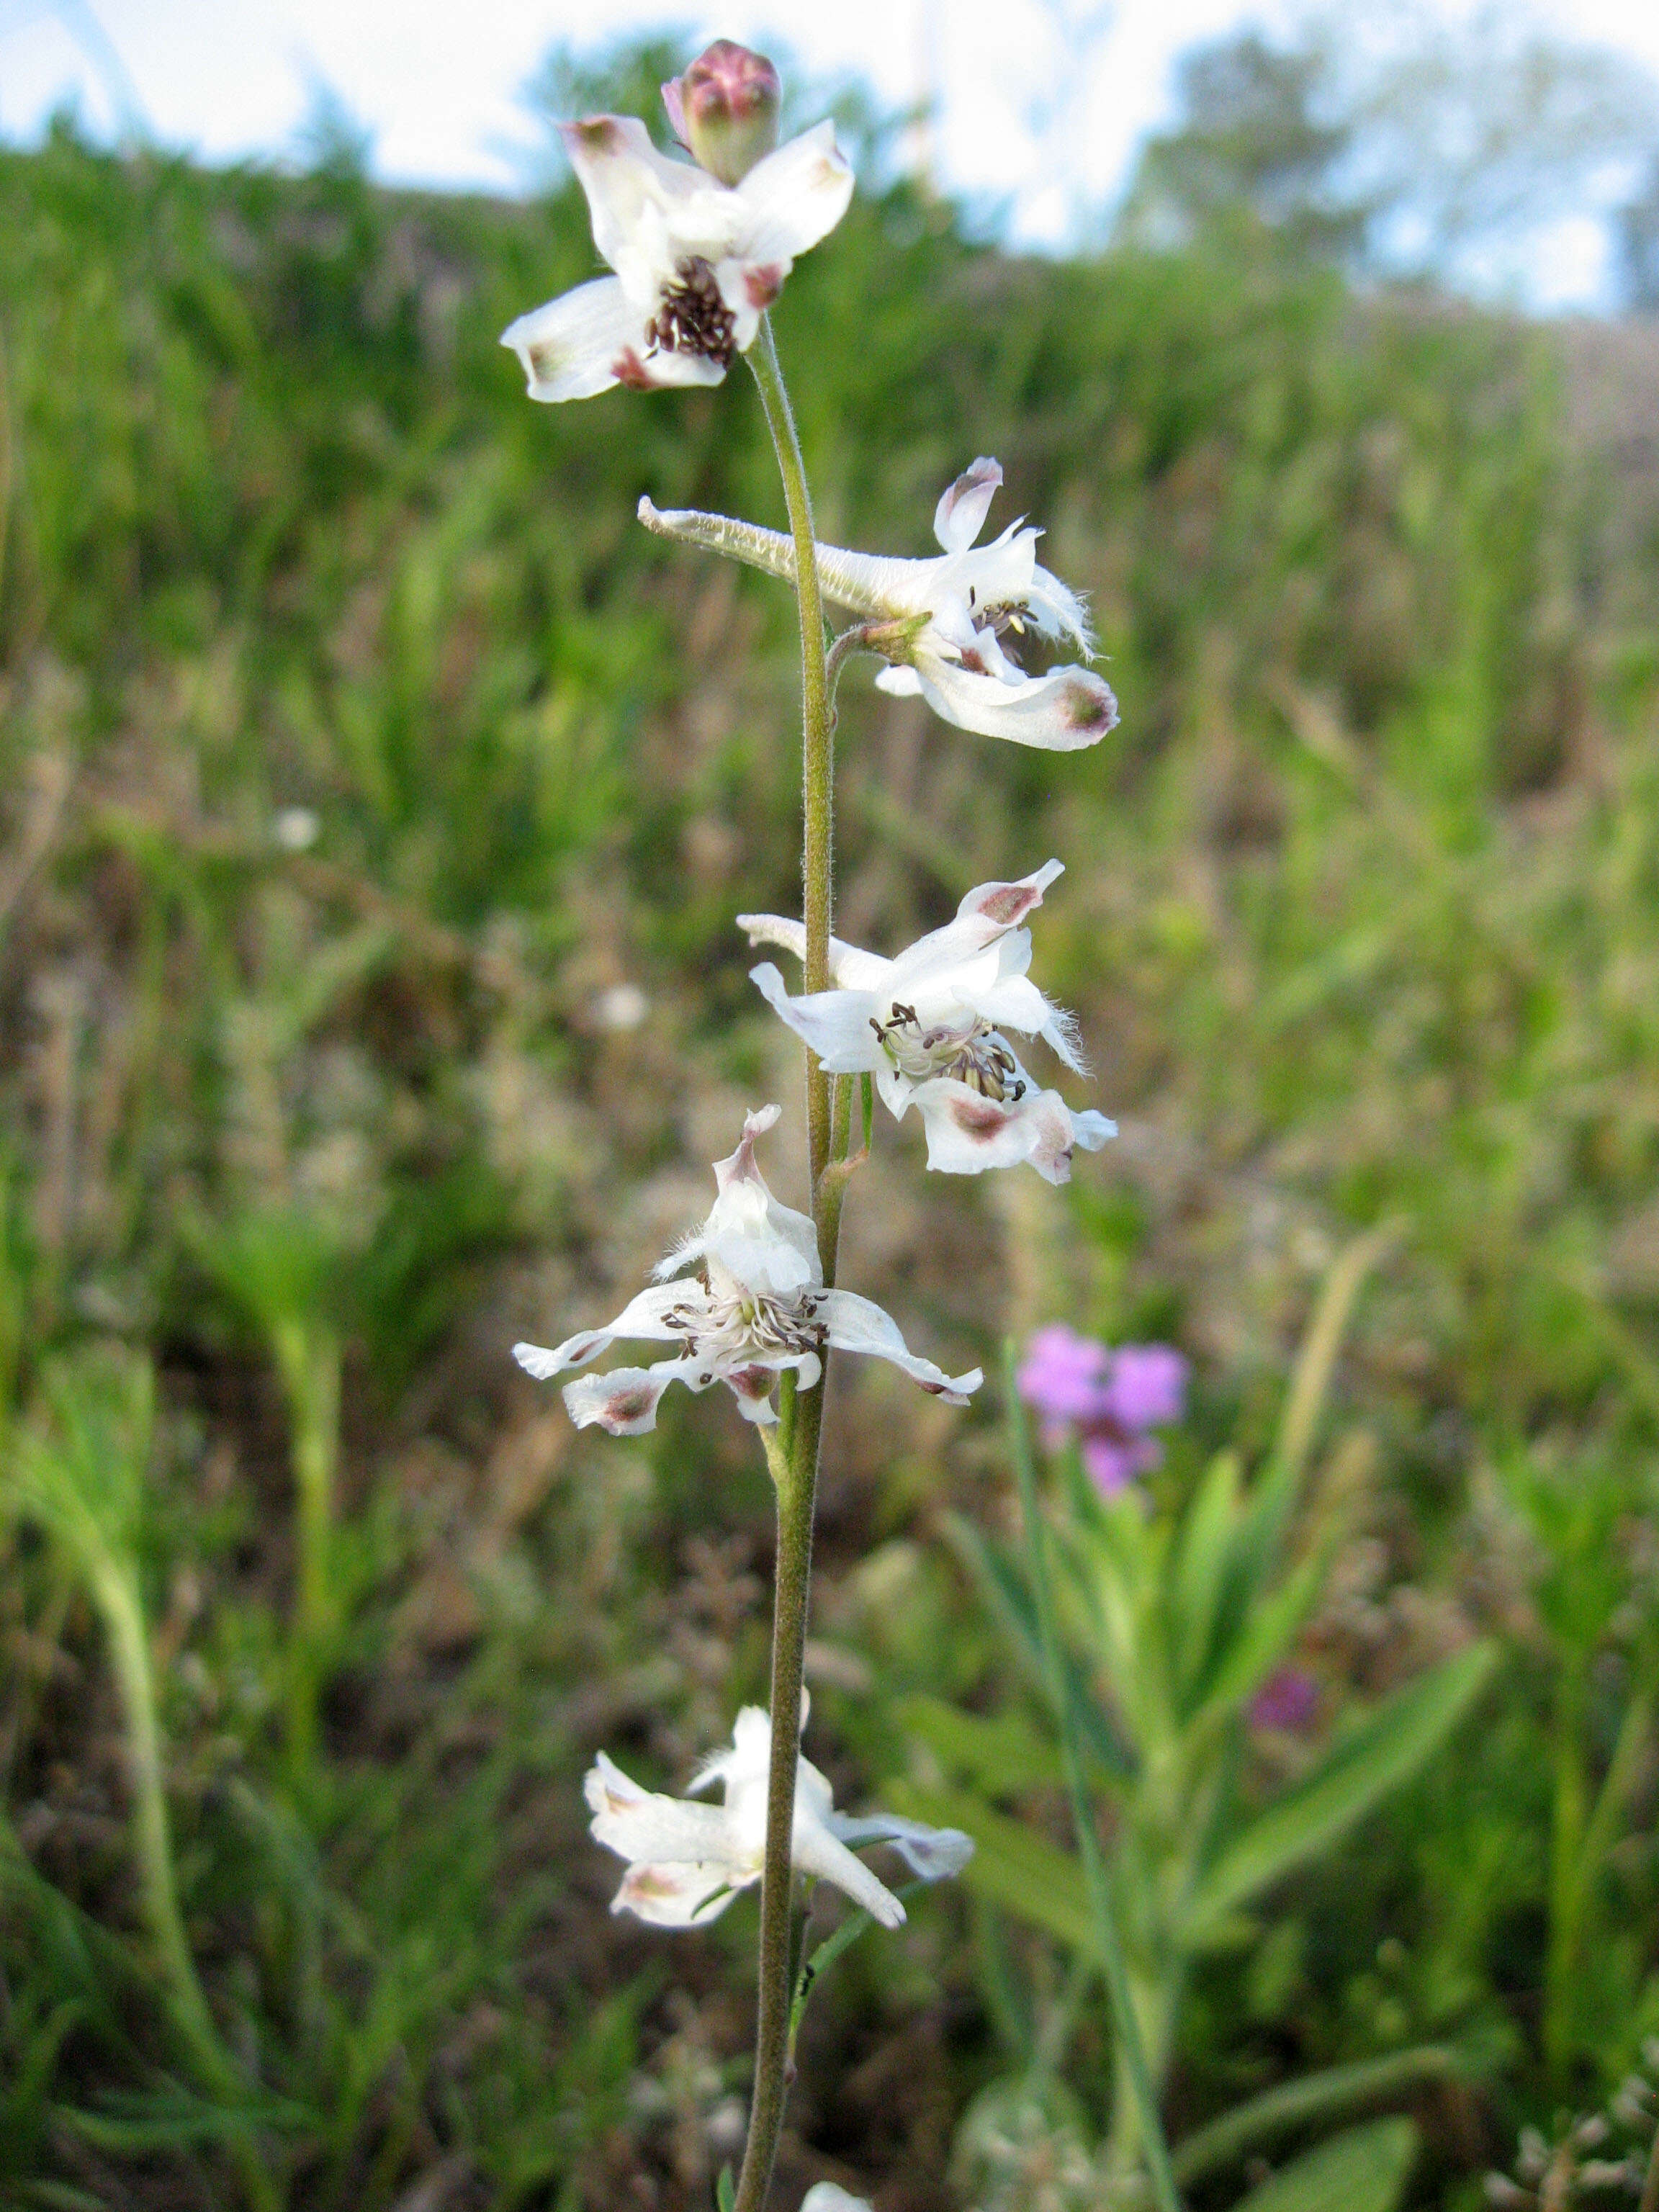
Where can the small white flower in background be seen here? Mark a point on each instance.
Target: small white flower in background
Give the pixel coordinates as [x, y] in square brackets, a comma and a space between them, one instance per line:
[760, 1308]
[953, 619]
[295, 828]
[830, 2197]
[686, 1861]
[928, 1026]
[623, 1006]
[697, 260]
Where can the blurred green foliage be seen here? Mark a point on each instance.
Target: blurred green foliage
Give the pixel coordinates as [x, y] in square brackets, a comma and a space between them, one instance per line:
[357, 746]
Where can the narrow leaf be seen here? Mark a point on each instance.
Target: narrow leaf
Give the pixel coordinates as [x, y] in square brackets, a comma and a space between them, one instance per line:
[1334, 2089]
[1387, 1747]
[1362, 2170]
[1011, 1867]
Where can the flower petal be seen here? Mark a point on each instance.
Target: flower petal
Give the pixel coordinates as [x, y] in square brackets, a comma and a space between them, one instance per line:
[960, 515]
[830, 2197]
[857, 1324]
[641, 1320]
[678, 1894]
[931, 1853]
[1060, 712]
[899, 683]
[836, 1024]
[642, 1824]
[580, 344]
[624, 1401]
[624, 176]
[792, 198]
[968, 1133]
[814, 1849]
[985, 914]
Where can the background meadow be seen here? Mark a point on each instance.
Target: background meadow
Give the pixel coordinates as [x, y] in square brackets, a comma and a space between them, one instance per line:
[377, 797]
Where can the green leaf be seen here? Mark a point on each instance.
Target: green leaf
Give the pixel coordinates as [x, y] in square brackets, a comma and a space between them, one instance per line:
[1199, 1566]
[1000, 1755]
[1388, 1746]
[1012, 1866]
[1362, 2170]
[1265, 1632]
[1010, 1601]
[726, 2191]
[1333, 2089]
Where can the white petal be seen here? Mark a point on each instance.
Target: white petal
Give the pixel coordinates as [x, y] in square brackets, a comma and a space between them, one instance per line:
[741, 1166]
[931, 1853]
[1060, 712]
[640, 1824]
[835, 1023]
[580, 344]
[624, 1401]
[792, 198]
[858, 1324]
[985, 914]
[830, 2197]
[624, 178]
[678, 1894]
[815, 1850]
[641, 1320]
[960, 515]
[853, 970]
[1014, 1002]
[747, 1757]
[899, 683]
[968, 1133]
[1056, 611]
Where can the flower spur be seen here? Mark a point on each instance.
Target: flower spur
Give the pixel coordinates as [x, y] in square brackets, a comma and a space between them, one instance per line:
[946, 625]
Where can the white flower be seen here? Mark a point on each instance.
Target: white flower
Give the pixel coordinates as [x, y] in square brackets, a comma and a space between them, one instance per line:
[698, 262]
[760, 1308]
[952, 618]
[928, 1026]
[686, 1861]
[830, 2197]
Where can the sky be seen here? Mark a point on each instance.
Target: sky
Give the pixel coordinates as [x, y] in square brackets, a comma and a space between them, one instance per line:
[440, 88]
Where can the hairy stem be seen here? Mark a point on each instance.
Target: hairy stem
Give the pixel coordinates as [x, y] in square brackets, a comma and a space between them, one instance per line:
[797, 1481]
[817, 751]
[1131, 2048]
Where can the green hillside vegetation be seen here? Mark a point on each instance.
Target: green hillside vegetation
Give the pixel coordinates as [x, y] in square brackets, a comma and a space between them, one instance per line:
[357, 745]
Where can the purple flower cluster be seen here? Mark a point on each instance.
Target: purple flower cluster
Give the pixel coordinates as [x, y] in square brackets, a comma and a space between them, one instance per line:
[1110, 1401]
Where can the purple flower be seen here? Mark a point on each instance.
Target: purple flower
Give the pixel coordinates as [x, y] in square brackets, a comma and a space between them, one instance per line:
[1286, 1702]
[1108, 1399]
[1063, 1378]
[1113, 1462]
[1148, 1388]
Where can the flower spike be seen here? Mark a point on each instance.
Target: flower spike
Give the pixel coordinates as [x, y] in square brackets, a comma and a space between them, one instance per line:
[929, 1027]
[946, 625]
[761, 1308]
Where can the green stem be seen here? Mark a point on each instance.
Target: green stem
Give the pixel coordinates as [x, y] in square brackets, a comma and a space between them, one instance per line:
[797, 1487]
[1132, 2051]
[794, 1573]
[818, 750]
[116, 1591]
[309, 1359]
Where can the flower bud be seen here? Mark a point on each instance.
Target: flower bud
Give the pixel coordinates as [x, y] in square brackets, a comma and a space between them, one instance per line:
[725, 109]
